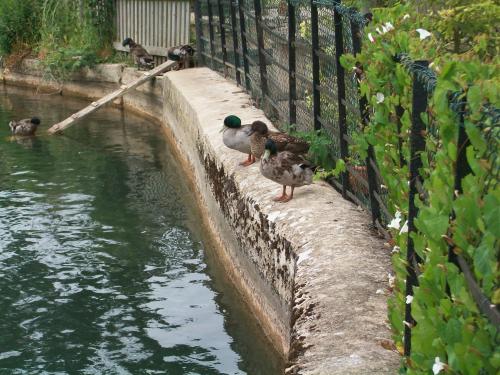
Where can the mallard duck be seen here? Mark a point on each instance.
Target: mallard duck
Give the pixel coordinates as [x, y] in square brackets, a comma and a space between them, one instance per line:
[285, 168]
[237, 137]
[141, 57]
[181, 54]
[284, 142]
[26, 126]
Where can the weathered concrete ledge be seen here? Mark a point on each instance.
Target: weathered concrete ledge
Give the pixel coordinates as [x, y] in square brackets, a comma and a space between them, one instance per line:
[310, 269]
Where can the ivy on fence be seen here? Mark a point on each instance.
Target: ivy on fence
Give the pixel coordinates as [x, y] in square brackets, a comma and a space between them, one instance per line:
[433, 187]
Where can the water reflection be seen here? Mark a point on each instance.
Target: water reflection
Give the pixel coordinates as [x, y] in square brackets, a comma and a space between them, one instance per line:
[102, 267]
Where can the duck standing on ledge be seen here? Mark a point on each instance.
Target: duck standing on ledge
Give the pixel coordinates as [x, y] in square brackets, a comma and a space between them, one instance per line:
[141, 57]
[26, 126]
[285, 168]
[237, 137]
[284, 142]
[181, 54]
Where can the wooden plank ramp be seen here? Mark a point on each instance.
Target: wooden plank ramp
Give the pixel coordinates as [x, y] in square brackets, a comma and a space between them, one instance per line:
[94, 106]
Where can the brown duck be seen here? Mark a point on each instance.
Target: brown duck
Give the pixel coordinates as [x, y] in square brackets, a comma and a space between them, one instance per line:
[284, 142]
[182, 54]
[285, 168]
[26, 126]
[141, 57]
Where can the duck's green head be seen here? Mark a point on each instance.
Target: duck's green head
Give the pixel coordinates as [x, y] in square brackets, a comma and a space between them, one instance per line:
[232, 121]
[270, 149]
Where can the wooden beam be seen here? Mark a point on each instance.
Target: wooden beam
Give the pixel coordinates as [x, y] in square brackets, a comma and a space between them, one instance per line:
[94, 106]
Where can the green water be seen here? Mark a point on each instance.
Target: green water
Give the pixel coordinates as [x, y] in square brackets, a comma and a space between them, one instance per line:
[104, 266]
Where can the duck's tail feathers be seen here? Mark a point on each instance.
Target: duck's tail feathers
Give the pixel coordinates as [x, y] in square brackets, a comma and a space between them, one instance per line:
[310, 166]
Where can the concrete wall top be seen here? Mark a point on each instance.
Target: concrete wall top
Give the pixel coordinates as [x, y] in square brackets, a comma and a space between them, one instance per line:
[341, 277]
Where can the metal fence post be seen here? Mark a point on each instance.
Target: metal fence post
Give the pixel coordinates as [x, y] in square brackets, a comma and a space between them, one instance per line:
[244, 47]
[292, 80]
[339, 50]
[315, 65]
[212, 37]
[373, 187]
[222, 27]
[462, 167]
[399, 113]
[260, 47]
[235, 42]
[199, 30]
[417, 145]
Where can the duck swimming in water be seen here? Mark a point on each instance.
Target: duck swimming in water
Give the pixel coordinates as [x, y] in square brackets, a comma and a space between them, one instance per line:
[141, 57]
[284, 142]
[237, 137]
[26, 126]
[285, 168]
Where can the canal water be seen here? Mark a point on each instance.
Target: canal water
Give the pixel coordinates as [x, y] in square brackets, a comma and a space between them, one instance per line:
[104, 265]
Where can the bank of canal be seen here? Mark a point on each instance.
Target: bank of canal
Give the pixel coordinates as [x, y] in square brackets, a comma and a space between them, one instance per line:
[104, 266]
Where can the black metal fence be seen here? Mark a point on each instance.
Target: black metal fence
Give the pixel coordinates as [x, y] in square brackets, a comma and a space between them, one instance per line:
[286, 54]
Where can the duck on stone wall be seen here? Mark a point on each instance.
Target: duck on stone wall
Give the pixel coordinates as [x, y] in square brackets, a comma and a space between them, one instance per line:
[24, 127]
[182, 54]
[285, 168]
[237, 137]
[284, 142]
[141, 57]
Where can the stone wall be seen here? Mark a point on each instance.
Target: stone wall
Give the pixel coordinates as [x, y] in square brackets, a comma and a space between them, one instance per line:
[312, 271]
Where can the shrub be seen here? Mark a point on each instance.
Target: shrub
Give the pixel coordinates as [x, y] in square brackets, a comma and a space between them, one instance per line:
[19, 23]
[450, 334]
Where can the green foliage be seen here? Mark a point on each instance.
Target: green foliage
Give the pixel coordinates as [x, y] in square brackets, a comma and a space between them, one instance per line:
[67, 35]
[449, 326]
[320, 145]
[18, 23]
[73, 33]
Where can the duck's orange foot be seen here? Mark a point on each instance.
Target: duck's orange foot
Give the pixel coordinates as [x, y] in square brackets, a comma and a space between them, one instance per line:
[249, 161]
[282, 198]
[286, 199]
[246, 163]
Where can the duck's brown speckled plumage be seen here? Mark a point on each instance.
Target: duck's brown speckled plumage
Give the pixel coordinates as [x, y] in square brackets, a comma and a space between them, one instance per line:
[283, 141]
[285, 168]
[25, 127]
[141, 57]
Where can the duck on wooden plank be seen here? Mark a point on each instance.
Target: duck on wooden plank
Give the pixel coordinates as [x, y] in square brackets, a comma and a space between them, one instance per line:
[182, 54]
[285, 168]
[141, 57]
[284, 142]
[25, 127]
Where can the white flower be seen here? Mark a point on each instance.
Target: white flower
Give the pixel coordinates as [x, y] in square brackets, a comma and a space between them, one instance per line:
[438, 366]
[370, 37]
[392, 280]
[423, 33]
[407, 324]
[380, 31]
[409, 299]
[395, 250]
[380, 97]
[404, 228]
[389, 26]
[406, 16]
[432, 65]
[395, 223]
